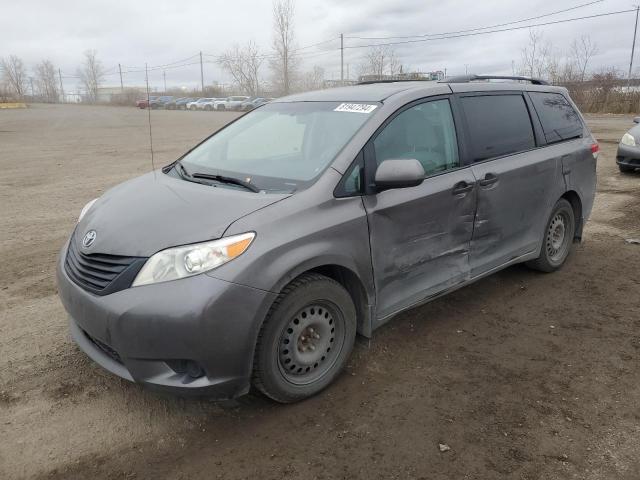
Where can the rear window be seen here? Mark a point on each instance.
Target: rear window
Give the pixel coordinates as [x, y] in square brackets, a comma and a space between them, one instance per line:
[498, 125]
[559, 119]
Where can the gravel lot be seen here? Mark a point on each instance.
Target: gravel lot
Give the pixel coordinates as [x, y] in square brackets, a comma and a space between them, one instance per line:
[524, 375]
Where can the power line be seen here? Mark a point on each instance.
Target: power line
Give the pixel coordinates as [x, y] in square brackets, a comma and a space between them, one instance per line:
[482, 28]
[491, 31]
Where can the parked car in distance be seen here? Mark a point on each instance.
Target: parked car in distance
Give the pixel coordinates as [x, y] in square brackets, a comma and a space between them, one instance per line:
[178, 103]
[160, 102]
[628, 155]
[143, 103]
[229, 103]
[253, 103]
[256, 257]
[198, 104]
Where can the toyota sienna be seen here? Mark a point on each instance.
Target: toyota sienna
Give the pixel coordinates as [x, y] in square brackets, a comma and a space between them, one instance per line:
[256, 257]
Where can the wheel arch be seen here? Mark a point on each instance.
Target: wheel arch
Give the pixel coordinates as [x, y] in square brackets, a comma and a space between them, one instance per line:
[576, 203]
[345, 275]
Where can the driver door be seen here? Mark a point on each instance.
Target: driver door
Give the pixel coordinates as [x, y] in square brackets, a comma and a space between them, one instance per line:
[420, 236]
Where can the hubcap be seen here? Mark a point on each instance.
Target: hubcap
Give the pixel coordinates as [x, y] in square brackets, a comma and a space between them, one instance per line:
[556, 241]
[310, 343]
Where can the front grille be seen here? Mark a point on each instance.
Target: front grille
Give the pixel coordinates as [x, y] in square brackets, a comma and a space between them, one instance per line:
[101, 273]
[104, 347]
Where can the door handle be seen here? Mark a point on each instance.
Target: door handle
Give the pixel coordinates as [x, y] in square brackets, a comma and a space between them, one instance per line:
[462, 187]
[489, 179]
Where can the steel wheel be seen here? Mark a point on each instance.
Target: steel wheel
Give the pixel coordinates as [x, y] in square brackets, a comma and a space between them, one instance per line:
[311, 343]
[557, 240]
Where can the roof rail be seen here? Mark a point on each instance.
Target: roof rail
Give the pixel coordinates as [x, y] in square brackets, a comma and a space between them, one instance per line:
[387, 80]
[471, 78]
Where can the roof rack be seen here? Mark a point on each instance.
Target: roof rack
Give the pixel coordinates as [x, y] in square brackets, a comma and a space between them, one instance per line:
[471, 78]
[369, 82]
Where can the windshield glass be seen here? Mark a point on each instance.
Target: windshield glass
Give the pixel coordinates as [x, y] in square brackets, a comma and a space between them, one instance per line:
[280, 146]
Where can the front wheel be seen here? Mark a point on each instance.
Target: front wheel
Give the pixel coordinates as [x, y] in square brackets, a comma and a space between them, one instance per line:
[625, 168]
[558, 237]
[305, 340]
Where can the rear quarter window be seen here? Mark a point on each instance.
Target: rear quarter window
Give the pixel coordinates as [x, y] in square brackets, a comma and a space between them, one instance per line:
[498, 125]
[559, 119]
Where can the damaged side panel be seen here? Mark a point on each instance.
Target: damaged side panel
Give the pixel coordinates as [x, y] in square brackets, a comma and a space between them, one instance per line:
[420, 240]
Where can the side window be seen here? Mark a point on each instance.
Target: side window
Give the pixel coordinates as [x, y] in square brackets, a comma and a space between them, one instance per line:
[498, 125]
[425, 132]
[559, 120]
[351, 183]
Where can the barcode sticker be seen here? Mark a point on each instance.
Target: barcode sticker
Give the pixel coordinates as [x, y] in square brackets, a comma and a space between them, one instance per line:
[355, 108]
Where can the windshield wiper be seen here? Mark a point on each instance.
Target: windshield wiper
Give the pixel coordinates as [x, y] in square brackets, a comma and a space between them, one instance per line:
[182, 171]
[223, 179]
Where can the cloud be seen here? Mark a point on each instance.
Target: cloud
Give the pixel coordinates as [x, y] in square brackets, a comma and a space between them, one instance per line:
[155, 32]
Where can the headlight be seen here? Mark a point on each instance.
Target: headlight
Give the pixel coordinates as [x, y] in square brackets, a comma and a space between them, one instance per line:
[86, 208]
[181, 262]
[627, 139]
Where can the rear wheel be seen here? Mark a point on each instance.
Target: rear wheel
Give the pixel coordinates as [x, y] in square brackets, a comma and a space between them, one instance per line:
[558, 237]
[208, 108]
[626, 168]
[306, 339]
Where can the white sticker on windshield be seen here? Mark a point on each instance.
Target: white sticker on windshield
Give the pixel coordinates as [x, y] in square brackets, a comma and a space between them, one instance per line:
[355, 108]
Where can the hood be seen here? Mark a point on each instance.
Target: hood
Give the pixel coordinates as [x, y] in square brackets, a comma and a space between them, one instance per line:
[155, 211]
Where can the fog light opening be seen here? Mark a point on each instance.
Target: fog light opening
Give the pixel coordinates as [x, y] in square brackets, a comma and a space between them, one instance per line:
[188, 368]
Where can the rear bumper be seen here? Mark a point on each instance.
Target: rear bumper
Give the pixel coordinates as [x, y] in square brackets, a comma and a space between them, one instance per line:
[141, 334]
[628, 156]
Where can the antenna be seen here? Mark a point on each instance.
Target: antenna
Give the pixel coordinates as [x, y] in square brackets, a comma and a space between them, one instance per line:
[146, 71]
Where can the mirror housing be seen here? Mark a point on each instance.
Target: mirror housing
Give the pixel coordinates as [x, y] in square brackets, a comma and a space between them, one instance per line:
[636, 119]
[399, 174]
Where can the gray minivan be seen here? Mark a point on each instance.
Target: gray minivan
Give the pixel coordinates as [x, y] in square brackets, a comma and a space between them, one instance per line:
[256, 257]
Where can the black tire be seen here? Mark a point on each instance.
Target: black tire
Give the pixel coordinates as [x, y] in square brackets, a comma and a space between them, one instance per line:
[319, 308]
[558, 238]
[626, 169]
[221, 107]
[208, 108]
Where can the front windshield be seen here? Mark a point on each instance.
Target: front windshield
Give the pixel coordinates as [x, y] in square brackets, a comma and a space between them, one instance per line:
[280, 146]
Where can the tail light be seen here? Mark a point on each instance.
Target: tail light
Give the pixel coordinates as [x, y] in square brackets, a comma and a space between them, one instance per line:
[595, 149]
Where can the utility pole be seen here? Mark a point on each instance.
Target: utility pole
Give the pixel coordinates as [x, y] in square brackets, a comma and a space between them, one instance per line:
[164, 77]
[61, 87]
[121, 84]
[201, 74]
[633, 48]
[342, 58]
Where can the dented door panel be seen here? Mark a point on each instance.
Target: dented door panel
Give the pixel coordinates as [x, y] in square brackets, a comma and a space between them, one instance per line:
[420, 239]
[512, 210]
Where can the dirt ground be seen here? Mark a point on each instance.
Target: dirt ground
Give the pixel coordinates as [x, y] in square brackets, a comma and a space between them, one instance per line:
[524, 375]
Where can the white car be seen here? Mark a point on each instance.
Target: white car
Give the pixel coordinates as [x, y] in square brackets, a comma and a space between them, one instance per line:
[201, 104]
[230, 103]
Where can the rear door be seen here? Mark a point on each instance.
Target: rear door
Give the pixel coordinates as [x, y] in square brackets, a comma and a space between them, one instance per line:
[419, 236]
[517, 182]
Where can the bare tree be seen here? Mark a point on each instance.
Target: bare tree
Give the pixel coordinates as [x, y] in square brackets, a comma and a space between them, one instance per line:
[535, 56]
[582, 51]
[46, 81]
[91, 74]
[313, 79]
[14, 75]
[243, 64]
[380, 61]
[285, 62]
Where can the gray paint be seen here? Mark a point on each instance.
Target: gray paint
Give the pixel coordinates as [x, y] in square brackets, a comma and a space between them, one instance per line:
[403, 246]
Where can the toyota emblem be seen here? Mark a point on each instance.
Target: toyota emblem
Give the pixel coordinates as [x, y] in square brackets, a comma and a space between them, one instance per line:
[89, 238]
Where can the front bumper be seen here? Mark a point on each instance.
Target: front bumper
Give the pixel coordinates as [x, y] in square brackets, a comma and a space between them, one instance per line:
[142, 333]
[628, 156]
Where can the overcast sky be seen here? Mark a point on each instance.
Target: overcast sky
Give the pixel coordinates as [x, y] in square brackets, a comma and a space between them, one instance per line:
[160, 32]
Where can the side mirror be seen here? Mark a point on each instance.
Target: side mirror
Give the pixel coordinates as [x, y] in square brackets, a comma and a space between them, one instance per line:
[636, 120]
[399, 174]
